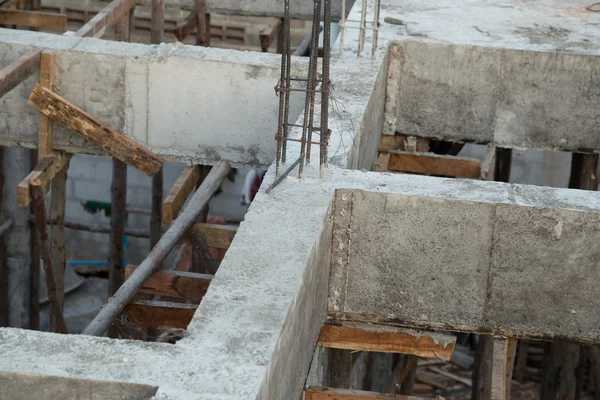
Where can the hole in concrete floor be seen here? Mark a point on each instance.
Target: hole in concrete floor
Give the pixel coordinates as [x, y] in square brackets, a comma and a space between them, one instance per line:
[86, 278]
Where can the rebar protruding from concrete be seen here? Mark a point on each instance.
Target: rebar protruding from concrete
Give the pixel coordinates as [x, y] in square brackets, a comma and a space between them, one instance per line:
[57, 323]
[362, 27]
[123, 296]
[283, 89]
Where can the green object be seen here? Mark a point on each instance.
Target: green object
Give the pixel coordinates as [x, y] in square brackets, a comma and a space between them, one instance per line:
[92, 207]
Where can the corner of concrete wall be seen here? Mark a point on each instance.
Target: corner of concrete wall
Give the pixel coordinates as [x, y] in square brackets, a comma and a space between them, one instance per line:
[15, 385]
[341, 218]
[293, 355]
[364, 150]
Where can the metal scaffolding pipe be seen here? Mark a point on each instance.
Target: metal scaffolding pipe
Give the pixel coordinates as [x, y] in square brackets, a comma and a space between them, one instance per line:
[123, 296]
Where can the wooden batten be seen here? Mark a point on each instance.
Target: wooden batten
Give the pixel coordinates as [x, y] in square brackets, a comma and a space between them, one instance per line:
[268, 35]
[160, 314]
[503, 359]
[45, 171]
[109, 15]
[325, 393]
[432, 164]
[115, 143]
[183, 187]
[215, 236]
[33, 19]
[180, 284]
[19, 70]
[387, 339]
[47, 80]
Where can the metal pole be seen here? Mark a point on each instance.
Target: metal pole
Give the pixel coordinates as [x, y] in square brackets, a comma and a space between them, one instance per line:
[123, 296]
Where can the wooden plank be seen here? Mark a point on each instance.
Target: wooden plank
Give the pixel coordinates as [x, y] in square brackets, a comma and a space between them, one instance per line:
[157, 30]
[184, 185]
[482, 371]
[433, 164]
[118, 198]
[203, 24]
[521, 361]
[503, 359]
[381, 165]
[160, 314]
[57, 231]
[390, 143]
[45, 171]
[183, 30]
[57, 323]
[268, 35]
[19, 70]
[115, 143]
[33, 19]
[489, 161]
[109, 15]
[181, 284]
[326, 393]
[4, 295]
[47, 80]
[367, 337]
[215, 236]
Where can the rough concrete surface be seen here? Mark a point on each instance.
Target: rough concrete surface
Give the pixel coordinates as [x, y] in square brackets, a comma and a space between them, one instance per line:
[517, 73]
[525, 262]
[254, 332]
[35, 387]
[186, 103]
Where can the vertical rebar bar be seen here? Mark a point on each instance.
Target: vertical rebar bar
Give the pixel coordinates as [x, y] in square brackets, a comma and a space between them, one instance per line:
[342, 28]
[309, 104]
[363, 27]
[280, 123]
[375, 27]
[288, 55]
[325, 88]
[313, 74]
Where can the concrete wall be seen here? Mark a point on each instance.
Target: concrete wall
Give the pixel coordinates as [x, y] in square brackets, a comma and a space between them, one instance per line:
[34, 387]
[527, 265]
[518, 99]
[186, 103]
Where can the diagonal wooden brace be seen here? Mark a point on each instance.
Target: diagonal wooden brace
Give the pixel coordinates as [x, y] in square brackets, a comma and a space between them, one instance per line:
[115, 143]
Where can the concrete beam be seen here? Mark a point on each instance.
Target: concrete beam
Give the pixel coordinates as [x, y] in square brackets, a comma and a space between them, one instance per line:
[32, 387]
[520, 263]
[521, 74]
[299, 9]
[183, 102]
